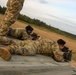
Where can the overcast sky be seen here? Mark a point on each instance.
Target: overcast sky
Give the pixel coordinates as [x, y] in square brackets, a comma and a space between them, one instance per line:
[58, 13]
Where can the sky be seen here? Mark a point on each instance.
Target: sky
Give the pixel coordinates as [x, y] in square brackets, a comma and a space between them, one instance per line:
[57, 13]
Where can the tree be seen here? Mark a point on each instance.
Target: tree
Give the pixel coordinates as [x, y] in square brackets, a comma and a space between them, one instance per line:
[3, 10]
[0, 9]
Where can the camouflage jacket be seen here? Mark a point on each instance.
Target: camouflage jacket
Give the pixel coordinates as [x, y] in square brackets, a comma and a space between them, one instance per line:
[18, 33]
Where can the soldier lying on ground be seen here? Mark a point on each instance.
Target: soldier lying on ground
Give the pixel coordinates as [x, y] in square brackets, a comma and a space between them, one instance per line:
[67, 54]
[30, 47]
[22, 34]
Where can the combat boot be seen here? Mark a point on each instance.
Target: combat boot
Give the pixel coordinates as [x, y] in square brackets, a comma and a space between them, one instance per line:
[5, 54]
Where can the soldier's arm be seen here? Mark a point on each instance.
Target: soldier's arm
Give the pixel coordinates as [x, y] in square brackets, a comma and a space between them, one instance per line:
[57, 53]
[57, 57]
[25, 36]
[5, 40]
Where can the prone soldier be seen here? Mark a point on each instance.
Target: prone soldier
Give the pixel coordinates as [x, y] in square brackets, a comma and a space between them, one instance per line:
[22, 34]
[13, 10]
[30, 47]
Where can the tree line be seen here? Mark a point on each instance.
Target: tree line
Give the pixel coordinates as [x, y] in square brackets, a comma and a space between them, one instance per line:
[2, 10]
[40, 24]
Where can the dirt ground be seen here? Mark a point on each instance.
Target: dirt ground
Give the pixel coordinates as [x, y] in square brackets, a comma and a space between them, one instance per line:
[54, 36]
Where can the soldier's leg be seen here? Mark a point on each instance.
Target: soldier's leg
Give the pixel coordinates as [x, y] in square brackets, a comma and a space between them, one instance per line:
[5, 40]
[5, 54]
[13, 9]
[17, 48]
[20, 50]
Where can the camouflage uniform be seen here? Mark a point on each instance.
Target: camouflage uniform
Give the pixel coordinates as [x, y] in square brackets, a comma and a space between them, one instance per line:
[29, 47]
[13, 9]
[19, 33]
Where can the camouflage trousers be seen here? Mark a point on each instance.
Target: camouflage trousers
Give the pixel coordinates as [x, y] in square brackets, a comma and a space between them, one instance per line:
[29, 47]
[13, 9]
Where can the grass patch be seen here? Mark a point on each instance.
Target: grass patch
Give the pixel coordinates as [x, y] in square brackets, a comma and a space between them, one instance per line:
[55, 30]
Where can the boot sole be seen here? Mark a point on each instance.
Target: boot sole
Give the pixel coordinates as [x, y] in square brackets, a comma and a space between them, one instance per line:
[5, 54]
